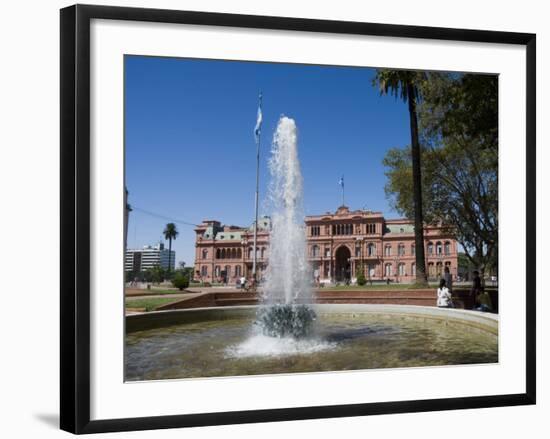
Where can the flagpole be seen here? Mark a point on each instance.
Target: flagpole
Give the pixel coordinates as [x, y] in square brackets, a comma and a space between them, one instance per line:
[258, 136]
[342, 186]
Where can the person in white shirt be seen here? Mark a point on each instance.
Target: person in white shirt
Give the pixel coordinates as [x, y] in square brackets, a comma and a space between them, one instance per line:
[444, 299]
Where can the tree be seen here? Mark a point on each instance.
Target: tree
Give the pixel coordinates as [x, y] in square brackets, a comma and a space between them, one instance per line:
[180, 281]
[459, 135]
[170, 232]
[404, 84]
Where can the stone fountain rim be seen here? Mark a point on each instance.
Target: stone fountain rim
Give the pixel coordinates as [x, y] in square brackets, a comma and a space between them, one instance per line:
[475, 318]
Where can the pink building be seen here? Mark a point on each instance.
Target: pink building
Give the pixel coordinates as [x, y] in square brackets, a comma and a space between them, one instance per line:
[340, 245]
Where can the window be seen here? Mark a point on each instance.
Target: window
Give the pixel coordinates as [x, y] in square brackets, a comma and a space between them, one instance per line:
[402, 269]
[371, 229]
[342, 229]
[447, 248]
[227, 270]
[217, 271]
[388, 270]
[205, 254]
[370, 270]
[413, 249]
[315, 251]
[371, 249]
[358, 250]
[401, 250]
[438, 248]
[327, 251]
[430, 248]
[315, 230]
[223, 253]
[262, 252]
[250, 253]
[413, 269]
[238, 271]
[204, 270]
[218, 253]
[387, 250]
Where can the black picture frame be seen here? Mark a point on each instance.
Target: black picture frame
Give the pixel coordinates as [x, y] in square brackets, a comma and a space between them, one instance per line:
[75, 217]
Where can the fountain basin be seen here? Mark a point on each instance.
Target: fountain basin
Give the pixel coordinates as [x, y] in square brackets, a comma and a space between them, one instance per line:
[221, 341]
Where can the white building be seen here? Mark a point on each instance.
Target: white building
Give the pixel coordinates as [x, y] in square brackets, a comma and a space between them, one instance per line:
[137, 260]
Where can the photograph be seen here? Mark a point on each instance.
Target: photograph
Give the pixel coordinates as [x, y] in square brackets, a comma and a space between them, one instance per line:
[285, 218]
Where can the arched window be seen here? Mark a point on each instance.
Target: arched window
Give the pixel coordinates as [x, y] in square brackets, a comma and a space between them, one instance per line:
[438, 248]
[447, 248]
[430, 248]
[205, 254]
[227, 270]
[387, 250]
[204, 270]
[238, 271]
[239, 253]
[387, 270]
[218, 253]
[217, 271]
[233, 253]
[413, 269]
[431, 269]
[371, 249]
[223, 253]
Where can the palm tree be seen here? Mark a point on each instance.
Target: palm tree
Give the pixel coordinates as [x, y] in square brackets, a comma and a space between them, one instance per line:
[404, 84]
[170, 232]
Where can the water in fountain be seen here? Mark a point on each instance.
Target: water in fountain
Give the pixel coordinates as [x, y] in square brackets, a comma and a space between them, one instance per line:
[286, 295]
[285, 319]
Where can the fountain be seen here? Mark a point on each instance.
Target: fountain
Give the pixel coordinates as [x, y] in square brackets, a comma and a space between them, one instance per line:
[286, 294]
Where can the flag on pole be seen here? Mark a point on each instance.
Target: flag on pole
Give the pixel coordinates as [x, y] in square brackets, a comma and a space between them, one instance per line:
[341, 181]
[258, 127]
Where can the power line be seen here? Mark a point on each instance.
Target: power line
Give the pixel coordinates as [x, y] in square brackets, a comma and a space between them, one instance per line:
[147, 212]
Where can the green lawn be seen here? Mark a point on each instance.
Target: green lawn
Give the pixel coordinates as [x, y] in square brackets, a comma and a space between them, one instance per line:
[157, 292]
[150, 303]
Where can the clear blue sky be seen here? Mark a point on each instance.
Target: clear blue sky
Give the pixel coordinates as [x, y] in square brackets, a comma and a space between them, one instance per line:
[190, 151]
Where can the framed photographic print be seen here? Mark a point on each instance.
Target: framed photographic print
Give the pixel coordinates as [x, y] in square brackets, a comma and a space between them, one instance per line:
[285, 218]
